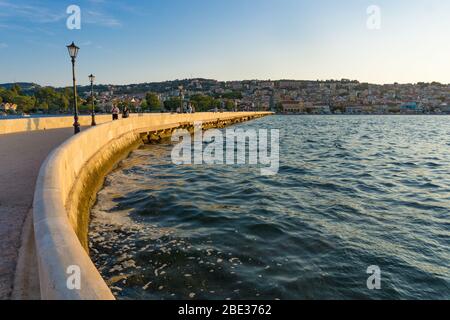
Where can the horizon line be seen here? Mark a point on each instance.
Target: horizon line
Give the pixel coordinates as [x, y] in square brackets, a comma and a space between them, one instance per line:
[226, 81]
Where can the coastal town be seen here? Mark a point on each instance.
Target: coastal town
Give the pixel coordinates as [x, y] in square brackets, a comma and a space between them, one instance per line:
[219, 159]
[282, 96]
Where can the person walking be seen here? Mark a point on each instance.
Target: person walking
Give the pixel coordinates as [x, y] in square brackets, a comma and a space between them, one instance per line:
[125, 112]
[115, 113]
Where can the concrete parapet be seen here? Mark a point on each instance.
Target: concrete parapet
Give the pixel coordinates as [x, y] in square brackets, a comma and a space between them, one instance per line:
[46, 123]
[66, 188]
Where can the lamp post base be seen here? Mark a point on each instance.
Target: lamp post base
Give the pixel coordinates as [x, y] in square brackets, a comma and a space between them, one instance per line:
[93, 123]
[76, 126]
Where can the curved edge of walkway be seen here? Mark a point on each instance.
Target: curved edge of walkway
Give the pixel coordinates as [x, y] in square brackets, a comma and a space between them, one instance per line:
[66, 271]
[26, 279]
[21, 156]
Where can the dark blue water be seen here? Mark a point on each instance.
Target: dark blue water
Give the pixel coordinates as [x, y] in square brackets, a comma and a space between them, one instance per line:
[351, 192]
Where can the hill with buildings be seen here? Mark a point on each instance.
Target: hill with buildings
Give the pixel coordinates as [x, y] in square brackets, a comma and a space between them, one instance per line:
[284, 96]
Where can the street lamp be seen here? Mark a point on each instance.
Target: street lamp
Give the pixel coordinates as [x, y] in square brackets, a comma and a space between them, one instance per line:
[92, 78]
[182, 99]
[73, 52]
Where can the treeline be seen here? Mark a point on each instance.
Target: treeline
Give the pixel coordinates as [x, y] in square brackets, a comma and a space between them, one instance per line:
[45, 99]
[201, 103]
[51, 100]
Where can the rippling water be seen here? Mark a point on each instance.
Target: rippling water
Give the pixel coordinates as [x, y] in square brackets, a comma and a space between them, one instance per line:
[351, 192]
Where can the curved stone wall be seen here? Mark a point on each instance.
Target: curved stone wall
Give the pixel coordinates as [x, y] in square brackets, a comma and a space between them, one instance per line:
[46, 123]
[66, 187]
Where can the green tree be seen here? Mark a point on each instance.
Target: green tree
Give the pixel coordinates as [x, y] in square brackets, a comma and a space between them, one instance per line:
[43, 106]
[84, 108]
[216, 104]
[25, 103]
[64, 103]
[153, 102]
[68, 93]
[123, 104]
[204, 103]
[47, 99]
[172, 104]
[8, 95]
[144, 105]
[16, 89]
[229, 105]
[232, 95]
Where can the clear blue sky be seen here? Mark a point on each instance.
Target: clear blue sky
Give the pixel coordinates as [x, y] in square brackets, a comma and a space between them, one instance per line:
[154, 40]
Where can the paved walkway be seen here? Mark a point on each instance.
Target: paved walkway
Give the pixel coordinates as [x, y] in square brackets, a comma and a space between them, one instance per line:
[21, 156]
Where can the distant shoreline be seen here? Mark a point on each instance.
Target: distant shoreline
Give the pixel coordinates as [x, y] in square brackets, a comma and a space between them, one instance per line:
[278, 114]
[366, 114]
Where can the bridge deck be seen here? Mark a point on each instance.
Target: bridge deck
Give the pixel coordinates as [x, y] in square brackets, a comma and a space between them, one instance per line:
[21, 156]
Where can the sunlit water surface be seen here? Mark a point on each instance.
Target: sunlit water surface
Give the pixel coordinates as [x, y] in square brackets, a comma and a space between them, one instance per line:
[351, 192]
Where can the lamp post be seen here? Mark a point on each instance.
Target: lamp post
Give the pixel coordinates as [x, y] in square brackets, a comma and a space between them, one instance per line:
[92, 78]
[182, 99]
[73, 52]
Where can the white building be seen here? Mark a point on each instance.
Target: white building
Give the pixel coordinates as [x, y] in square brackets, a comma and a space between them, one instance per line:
[8, 107]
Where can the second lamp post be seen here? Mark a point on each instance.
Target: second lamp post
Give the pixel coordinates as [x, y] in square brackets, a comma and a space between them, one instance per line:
[73, 52]
[180, 88]
[92, 78]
